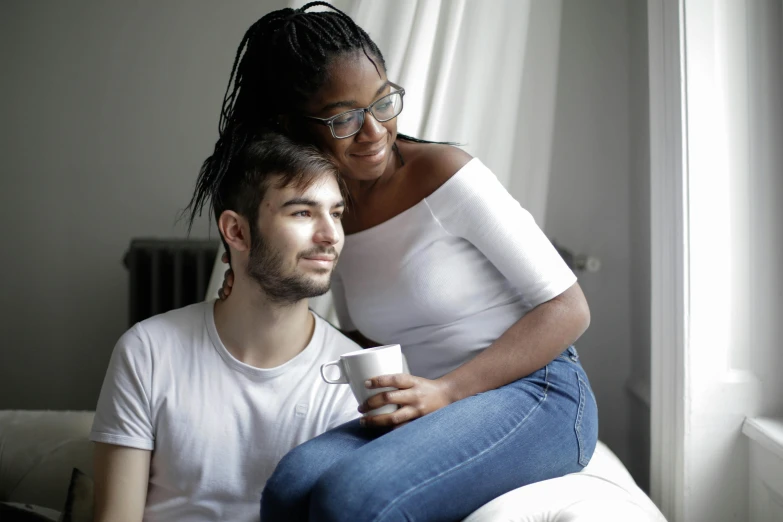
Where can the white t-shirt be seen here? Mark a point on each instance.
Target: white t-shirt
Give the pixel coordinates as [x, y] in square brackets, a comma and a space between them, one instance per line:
[448, 276]
[216, 426]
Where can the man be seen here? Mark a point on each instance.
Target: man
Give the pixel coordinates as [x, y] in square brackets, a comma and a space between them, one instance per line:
[199, 404]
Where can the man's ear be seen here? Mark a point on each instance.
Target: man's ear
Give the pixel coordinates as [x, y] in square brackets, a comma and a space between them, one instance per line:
[235, 230]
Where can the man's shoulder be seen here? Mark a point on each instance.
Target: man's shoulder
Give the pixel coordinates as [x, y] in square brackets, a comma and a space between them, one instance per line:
[184, 318]
[167, 328]
[335, 343]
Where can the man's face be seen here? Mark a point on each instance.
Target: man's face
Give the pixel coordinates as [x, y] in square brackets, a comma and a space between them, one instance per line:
[297, 240]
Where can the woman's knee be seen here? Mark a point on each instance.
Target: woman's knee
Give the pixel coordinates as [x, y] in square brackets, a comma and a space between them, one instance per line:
[299, 470]
[294, 475]
[349, 490]
[286, 493]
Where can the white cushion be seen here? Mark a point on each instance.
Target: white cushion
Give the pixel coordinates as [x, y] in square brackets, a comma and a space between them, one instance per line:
[38, 451]
[602, 492]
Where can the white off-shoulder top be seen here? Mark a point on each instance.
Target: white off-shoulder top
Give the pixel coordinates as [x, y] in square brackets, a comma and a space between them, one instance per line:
[448, 276]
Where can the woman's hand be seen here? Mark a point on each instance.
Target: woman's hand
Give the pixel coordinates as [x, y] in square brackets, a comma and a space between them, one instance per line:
[228, 280]
[416, 397]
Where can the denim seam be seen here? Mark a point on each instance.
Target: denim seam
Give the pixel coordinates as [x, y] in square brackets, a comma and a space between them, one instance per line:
[474, 457]
[578, 426]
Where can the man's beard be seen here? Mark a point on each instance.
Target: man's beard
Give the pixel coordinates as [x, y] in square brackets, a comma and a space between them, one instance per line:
[265, 266]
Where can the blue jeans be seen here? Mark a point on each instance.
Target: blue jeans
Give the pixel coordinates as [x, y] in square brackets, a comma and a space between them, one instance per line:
[447, 464]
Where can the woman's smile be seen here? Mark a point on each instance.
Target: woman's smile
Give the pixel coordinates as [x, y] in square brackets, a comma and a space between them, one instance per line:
[374, 156]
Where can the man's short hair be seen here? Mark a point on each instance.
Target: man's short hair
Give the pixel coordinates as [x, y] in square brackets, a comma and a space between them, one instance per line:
[267, 158]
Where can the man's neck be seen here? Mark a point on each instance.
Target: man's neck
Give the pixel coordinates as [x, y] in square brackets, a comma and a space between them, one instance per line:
[259, 332]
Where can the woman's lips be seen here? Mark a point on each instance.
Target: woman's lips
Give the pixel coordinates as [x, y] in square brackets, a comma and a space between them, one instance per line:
[372, 156]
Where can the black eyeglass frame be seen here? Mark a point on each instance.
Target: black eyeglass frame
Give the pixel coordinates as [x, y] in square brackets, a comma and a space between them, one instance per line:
[329, 122]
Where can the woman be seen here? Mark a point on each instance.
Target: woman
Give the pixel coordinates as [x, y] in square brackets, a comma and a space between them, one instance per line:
[439, 258]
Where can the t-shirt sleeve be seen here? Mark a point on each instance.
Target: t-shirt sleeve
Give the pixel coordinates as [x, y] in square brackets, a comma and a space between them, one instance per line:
[475, 206]
[123, 415]
[340, 303]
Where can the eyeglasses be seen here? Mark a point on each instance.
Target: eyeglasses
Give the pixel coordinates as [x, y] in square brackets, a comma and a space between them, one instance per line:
[348, 123]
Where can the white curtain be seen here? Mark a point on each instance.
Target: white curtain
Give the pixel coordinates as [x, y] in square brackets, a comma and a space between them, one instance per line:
[479, 73]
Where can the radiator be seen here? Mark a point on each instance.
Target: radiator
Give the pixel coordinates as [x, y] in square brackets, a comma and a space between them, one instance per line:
[164, 274]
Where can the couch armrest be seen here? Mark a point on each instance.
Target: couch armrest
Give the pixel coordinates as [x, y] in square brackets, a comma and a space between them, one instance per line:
[38, 451]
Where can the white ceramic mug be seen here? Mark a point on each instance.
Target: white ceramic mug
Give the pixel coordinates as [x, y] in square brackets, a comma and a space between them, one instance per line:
[356, 367]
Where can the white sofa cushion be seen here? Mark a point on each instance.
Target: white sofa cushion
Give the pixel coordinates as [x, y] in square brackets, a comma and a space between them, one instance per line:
[38, 451]
[602, 492]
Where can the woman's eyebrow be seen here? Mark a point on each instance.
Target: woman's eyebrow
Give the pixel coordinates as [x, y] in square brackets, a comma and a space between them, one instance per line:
[350, 104]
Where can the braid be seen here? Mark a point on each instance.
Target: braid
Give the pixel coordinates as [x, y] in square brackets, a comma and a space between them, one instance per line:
[282, 59]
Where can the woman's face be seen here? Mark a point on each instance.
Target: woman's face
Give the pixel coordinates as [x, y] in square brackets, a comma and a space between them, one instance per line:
[354, 84]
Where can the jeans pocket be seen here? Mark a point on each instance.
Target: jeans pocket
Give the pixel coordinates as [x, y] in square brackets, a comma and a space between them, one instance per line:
[537, 383]
[586, 427]
[570, 354]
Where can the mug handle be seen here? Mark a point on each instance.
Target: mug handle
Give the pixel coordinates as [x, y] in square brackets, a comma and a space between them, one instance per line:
[340, 380]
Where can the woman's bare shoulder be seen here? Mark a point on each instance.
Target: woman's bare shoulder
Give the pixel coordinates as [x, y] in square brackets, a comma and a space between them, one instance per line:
[431, 165]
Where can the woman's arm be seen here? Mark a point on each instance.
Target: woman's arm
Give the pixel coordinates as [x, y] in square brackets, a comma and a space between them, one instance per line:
[527, 346]
[530, 344]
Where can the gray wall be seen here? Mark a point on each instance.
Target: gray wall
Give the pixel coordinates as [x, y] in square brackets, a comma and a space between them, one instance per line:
[598, 198]
[107, 110]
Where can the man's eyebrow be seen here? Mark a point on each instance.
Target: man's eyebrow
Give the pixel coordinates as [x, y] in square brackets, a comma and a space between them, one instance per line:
[300, 201]
[351, 104]
[309, 203]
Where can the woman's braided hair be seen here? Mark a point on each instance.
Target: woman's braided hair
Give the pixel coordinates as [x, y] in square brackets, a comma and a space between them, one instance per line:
[281, 61]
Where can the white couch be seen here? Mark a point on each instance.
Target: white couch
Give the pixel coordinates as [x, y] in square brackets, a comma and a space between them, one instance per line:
[39, 449]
